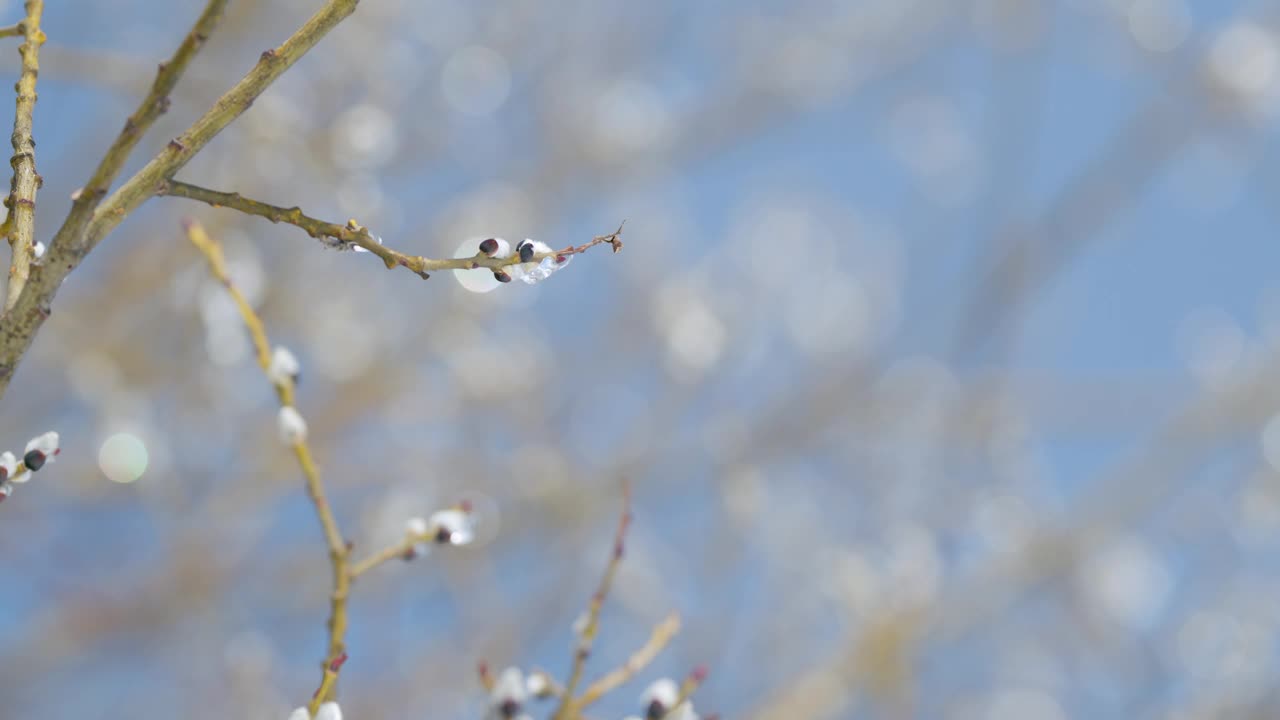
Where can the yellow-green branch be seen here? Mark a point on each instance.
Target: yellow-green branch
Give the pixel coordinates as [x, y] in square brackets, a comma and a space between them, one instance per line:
[21, 223]
[78, 237]
[339, 553]
[359, 236]
[155, 104]
[569, 706]
[658, 639]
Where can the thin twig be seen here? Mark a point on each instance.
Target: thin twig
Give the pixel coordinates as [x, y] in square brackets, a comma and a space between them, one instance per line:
[359, 236]
[405, 549]
[658, 639]
[13, 30]
[568, 705]
[385, 555]
[20, 225]
[19, 326]
[338, 550]
[271, 65]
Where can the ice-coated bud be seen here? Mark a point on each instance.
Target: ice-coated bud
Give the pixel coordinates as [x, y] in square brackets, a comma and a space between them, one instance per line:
[539, 684]
[508, 694]
[6, 489]
[526, 251]
[37, 250]
[541, 271]
[40, 450]
[9, 466]
[415, 530]
[293, 429]
[300, 714]
[529, 247]
[495, 247]
[472, 276]
[659, 697]
[451, 527]
[284, 367]
[34, 460]
[535, 272]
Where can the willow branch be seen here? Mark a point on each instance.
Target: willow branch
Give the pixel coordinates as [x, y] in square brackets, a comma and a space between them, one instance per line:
[70, 246]
[13, 30]
[639, 660]
[354, 234]
[568, 706]
[155, 104]
[271, 65]
[21, 223]
[338, 550]
[385, 555]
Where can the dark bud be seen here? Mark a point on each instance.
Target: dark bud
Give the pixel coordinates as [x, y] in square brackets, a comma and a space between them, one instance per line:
[501, 276]
[656, 711]
[526, 252]
[34, 460]
[489, 247]
[509, 708]
[443, 536]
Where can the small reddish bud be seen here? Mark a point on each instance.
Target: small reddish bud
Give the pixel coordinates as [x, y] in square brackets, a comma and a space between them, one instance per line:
[336, 664]
[501, 276]
[561, 259]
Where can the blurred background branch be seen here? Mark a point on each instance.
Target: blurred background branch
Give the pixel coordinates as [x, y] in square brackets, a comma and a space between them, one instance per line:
[1009, 450]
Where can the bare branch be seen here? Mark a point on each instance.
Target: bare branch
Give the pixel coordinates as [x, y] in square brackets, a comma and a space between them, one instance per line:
[155, 104]
[662, 634]
[72, 243]
[20, 226]
[338, 550]
[569, 707]
[359, 236]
